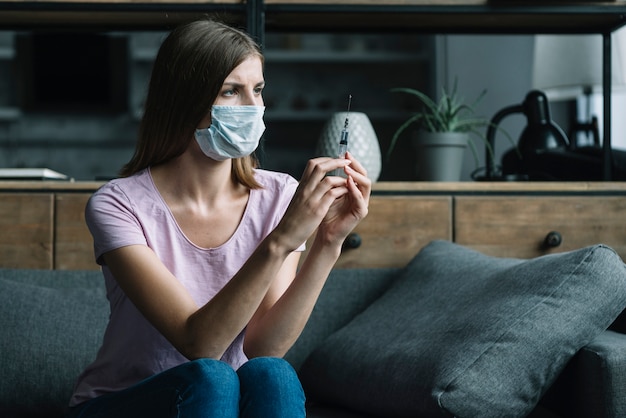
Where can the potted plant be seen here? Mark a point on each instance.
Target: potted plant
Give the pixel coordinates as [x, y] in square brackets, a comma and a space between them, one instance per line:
[443, 134]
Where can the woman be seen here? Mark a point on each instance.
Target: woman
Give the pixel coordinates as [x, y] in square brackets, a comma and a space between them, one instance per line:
[199, 248]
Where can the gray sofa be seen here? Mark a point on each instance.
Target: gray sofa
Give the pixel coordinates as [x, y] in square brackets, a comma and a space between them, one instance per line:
[381, 342]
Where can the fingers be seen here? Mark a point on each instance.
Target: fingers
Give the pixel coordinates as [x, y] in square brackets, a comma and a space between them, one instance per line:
[321, 190]
[354, 163]
[317, 191]
[359, 177]
[317, 168]
[316, 182]
[315, 185]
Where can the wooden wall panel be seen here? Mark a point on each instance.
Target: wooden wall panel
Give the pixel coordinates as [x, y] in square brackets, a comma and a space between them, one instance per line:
[73, 244]
[26, 230]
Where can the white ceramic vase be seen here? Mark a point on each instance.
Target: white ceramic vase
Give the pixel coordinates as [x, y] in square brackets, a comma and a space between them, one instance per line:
[362, 141]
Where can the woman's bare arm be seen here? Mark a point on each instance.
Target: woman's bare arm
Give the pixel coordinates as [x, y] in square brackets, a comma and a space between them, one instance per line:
[207, 331]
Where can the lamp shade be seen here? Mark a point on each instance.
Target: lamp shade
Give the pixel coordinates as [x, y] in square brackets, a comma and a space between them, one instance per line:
[566, 66]
[362, 140]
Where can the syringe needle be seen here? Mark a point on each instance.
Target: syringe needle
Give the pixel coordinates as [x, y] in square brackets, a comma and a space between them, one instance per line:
[343, 141]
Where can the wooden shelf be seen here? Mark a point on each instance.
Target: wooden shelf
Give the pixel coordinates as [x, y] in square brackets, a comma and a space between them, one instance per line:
[449, 16]
[381, 187]
[443, 16]
[115, 15]
[50, 186]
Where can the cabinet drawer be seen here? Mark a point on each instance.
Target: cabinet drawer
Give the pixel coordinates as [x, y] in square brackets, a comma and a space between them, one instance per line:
[517, 226]
[396, 228]
[26, 224]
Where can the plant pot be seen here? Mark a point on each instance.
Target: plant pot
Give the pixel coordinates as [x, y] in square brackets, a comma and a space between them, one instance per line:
[440, 155]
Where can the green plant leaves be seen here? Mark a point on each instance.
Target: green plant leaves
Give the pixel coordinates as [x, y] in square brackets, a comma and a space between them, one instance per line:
[449, 114]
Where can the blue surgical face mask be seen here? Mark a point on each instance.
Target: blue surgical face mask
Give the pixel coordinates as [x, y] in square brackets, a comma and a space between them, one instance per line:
[235, 132]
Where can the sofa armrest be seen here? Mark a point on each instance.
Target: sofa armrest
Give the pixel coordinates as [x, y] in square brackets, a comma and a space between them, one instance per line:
[594, 382]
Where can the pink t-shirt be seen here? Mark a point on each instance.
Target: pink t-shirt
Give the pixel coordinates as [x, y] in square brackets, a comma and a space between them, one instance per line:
[131, 211]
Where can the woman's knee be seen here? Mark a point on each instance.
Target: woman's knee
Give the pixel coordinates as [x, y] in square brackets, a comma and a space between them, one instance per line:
[190, 390]
[267, 369]
[206, 378]
[270, 387]
[209, 373]
[208, 385]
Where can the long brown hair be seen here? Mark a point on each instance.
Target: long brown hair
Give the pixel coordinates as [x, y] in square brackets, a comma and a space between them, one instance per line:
[188, 73]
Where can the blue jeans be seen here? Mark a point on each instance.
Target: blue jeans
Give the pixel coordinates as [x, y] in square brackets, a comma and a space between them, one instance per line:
[263, 387]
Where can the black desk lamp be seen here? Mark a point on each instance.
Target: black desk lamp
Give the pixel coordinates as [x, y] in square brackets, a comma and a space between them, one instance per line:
[540, 134]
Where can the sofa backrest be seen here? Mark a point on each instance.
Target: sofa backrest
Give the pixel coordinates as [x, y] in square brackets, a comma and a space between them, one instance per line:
[52, 322]
[51, 325]
[347, 292]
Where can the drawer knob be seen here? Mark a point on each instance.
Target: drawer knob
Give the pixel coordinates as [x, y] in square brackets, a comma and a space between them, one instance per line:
[553, 239]
[353, 240]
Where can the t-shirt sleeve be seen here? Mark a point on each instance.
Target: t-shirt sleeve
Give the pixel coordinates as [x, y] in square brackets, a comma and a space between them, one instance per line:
[289, 190]
[112, 221]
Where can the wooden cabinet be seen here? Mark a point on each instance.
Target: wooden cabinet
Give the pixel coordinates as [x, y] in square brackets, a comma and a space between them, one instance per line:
[501, 219]
[43, 224]
[505, 226]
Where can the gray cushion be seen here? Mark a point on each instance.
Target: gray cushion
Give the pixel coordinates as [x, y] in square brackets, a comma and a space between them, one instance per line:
[468, 335]
[346, 293]
[51, 325]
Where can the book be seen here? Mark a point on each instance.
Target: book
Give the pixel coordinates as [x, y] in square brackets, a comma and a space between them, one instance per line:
[31, 174]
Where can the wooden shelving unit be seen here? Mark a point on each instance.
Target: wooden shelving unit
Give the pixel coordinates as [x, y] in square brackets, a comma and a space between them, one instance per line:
[262, 16]
[444, 16]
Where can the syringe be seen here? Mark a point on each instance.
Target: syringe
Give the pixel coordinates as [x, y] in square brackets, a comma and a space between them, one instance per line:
[343, 140]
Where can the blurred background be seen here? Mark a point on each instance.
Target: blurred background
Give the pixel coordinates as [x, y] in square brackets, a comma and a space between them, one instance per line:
[71, 102]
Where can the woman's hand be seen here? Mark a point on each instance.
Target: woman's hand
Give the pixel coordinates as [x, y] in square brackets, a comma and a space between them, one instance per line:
[317, 192]
[350, 208]
[333, 206]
